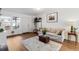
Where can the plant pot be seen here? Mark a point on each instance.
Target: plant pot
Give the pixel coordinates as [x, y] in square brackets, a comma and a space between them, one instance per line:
[1, 30]
[72, 28]
[44, 33]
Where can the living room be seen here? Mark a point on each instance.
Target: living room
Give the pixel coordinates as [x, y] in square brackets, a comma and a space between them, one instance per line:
[20, 27]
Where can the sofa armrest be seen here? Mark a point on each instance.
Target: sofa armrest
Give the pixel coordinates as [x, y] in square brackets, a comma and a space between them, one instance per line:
[64, 34]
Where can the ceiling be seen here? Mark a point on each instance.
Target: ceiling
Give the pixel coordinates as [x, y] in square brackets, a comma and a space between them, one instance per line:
[29, 11]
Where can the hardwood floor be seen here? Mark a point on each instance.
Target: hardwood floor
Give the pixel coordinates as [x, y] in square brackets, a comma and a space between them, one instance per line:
[14, 43]
[69, 46]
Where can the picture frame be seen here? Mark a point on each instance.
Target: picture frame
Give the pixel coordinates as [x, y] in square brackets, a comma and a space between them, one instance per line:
[53, 17]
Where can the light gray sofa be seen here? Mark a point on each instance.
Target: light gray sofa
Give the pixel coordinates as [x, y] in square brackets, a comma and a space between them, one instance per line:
[53, 34]
[55, 37]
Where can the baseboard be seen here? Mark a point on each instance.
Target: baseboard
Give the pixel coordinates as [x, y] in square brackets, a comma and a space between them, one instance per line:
[21, 34]
[70, 40]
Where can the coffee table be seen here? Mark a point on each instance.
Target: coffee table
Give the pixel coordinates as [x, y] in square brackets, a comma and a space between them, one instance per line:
[44, 38]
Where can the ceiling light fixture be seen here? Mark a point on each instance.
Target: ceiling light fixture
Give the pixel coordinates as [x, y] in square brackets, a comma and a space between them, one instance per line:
[38, 8]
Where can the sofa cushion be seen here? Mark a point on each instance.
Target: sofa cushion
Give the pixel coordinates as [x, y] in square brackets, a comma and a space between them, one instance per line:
[55, 30]
[51, 30]
[54, 37]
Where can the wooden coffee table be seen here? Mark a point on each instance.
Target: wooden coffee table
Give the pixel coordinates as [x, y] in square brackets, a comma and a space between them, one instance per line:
[44, 39]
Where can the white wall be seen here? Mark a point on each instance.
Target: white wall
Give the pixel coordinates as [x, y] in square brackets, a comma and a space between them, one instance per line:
[26, 23]
[64, 14]
[48, 25]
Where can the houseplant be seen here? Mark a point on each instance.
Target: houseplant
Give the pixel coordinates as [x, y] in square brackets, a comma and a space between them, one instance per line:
[44, 31]
[1, 29]
[75, 29]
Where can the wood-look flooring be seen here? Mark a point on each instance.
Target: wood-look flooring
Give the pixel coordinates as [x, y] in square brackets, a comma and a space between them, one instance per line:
[69, 46]
[14, 43]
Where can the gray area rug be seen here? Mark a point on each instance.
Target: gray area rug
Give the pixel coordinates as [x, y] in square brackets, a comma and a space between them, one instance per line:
[33, 44]
[4, 48]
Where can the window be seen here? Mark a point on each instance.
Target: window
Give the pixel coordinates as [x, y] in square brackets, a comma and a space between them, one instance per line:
[9, 23]
[15, 22]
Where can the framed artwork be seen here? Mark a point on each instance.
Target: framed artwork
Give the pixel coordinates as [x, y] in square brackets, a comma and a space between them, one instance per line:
[53, 17]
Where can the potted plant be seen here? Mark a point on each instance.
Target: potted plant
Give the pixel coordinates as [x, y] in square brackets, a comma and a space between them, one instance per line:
[1, 29]
[75, 29]
[72, 28]
[44, 31]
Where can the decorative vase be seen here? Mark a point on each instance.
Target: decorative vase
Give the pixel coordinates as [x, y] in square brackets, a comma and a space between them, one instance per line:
[72, 28]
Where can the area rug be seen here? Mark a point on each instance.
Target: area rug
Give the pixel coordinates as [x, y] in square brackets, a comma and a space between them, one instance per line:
[4, 48]
[33, 44]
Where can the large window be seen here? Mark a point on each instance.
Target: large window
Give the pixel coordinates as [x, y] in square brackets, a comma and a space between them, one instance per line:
[9, 22]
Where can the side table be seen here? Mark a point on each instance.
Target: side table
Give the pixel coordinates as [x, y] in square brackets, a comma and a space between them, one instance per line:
[74, 34]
